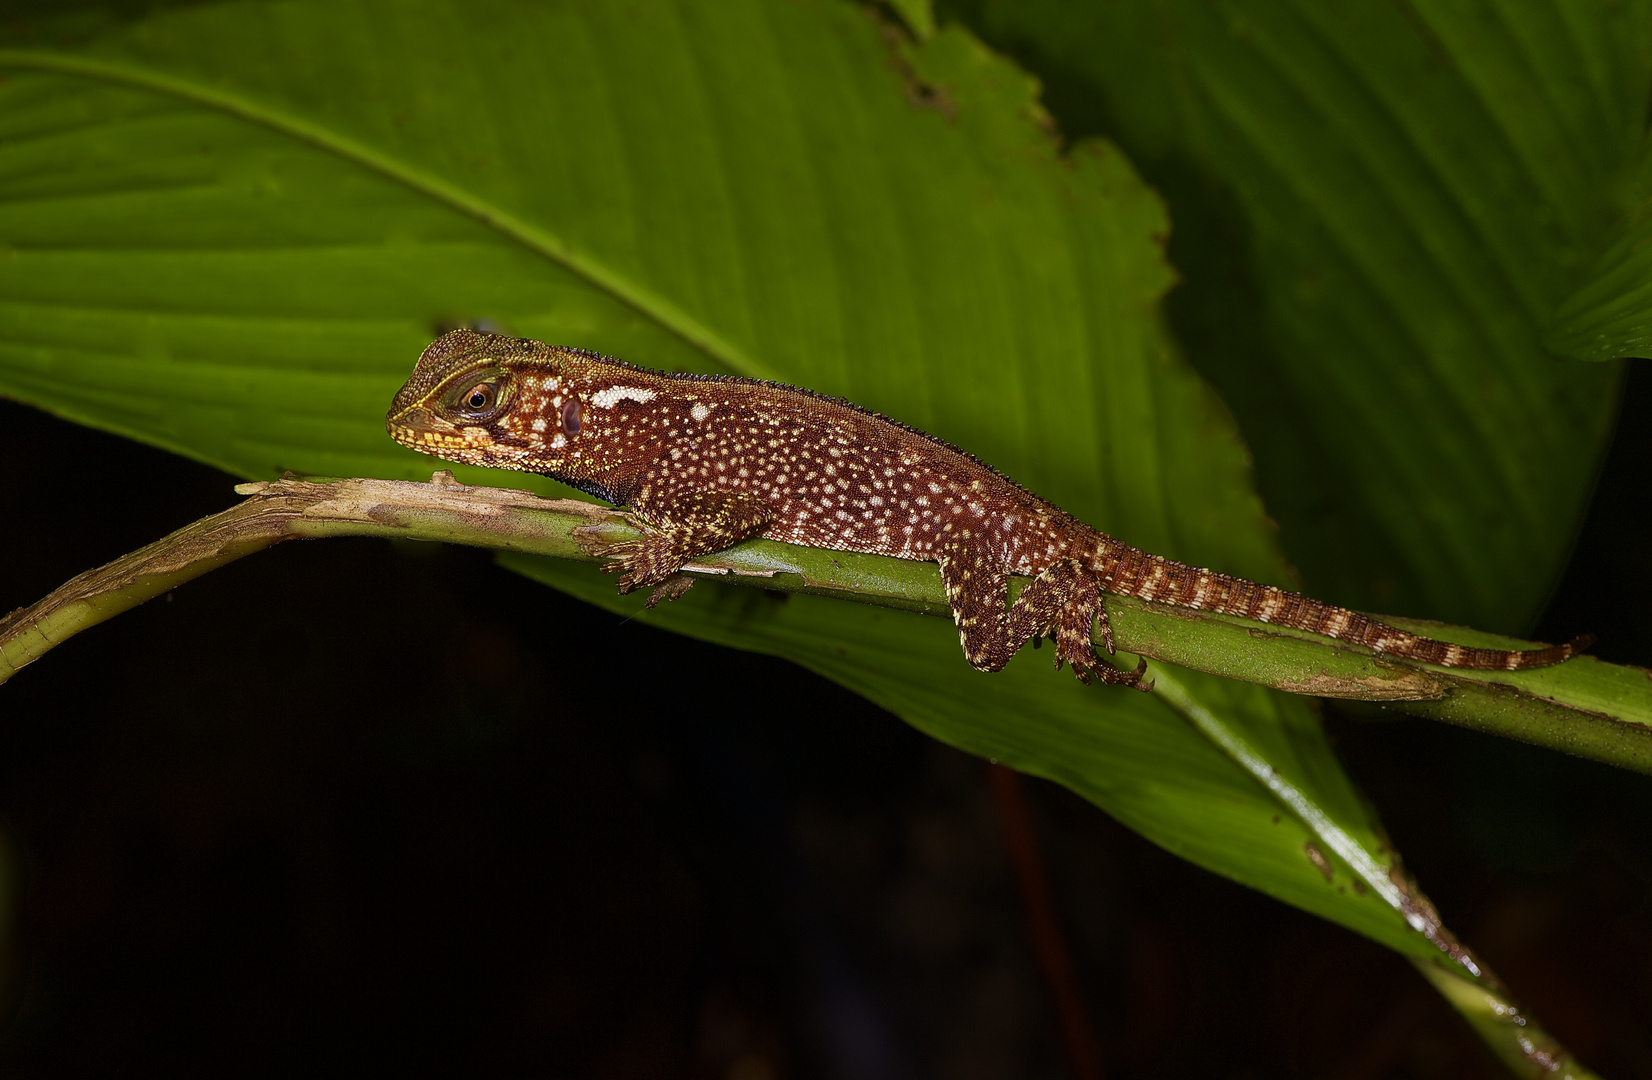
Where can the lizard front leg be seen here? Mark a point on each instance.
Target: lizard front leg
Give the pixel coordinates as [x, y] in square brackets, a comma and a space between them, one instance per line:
[681, 529]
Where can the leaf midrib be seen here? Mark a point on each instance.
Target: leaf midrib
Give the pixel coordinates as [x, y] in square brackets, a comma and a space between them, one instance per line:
[531, 236]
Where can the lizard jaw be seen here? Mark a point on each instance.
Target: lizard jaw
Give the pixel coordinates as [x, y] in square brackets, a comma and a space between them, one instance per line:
[420, 429]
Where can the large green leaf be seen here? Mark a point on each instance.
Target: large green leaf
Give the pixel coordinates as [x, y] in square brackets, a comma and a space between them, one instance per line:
[229, 229]
[1378, 208]
[1610, 314]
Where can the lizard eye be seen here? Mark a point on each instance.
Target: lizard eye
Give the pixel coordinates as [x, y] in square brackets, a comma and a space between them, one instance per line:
[479, 400]
[570, 417]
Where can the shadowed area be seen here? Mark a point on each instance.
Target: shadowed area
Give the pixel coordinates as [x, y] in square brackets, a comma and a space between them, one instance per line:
[392, 806]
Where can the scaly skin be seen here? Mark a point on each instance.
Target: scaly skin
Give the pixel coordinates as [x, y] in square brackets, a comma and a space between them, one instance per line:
[704, 462]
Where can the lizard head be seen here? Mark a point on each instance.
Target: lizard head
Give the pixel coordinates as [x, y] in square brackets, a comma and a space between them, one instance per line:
[488, 399]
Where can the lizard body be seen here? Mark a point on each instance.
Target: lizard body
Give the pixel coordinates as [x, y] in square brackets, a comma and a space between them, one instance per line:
[704, 462]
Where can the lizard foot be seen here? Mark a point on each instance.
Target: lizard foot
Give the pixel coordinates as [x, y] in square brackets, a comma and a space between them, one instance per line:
[1073, 644]
[1071, 631]
[1093, 667]
[669, 589]
[639, 563]
[1109, 674]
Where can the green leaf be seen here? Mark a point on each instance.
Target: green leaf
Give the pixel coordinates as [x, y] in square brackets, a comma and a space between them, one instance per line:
[918, 15]
[1610, 314]
[1378, 207]
[231, 227]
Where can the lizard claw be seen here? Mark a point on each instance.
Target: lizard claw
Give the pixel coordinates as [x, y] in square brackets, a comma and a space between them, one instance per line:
[622, 560]
[1087, 667]
[669, 589]
[640, 563]
[1131, 678]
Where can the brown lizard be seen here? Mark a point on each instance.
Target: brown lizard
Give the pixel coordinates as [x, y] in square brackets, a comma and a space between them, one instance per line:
[703, 462]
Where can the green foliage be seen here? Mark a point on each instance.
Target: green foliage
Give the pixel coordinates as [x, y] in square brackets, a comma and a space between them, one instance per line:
[228, 228]
[1378, 208]
[1610, 314]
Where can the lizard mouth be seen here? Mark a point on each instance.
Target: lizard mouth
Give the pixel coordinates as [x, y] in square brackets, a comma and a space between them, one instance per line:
[419, 428]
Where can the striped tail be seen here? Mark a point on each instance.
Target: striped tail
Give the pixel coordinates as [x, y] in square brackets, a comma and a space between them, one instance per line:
[1125, 571]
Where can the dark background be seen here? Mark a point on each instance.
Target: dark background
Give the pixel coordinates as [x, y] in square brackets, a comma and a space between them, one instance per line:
[364, 807]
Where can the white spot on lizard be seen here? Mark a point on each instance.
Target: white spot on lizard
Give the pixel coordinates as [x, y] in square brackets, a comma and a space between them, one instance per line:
[607, 399]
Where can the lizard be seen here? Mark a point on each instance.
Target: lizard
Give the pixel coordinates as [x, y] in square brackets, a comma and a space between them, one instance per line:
[703, 462]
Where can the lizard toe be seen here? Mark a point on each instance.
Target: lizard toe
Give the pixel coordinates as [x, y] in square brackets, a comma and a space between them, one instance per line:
[669, 589]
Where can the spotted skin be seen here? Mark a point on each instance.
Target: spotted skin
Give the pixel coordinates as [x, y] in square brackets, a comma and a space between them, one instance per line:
[704, 462]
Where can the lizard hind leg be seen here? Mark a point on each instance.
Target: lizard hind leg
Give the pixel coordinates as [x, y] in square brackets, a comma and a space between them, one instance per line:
[1062, 603]
[1065, 602]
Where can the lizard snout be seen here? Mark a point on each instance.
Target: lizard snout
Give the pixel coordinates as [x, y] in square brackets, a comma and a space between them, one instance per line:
[414, 426]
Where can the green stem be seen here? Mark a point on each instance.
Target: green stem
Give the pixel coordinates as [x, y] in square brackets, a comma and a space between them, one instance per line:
[1584, 707]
